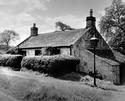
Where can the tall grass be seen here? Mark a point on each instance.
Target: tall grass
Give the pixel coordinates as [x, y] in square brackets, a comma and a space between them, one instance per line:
[27, 87]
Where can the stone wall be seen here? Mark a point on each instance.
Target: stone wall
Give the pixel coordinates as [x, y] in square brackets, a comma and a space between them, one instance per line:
[88, 35]
[106, 69]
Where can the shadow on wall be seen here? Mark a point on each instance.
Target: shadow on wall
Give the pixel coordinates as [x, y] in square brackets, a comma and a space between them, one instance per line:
[104, 53]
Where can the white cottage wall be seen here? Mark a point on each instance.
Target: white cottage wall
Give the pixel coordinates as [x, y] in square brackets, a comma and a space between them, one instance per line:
[30, 52]
[65, 51]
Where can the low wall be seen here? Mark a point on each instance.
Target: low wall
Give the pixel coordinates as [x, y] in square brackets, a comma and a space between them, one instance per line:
[106, 69]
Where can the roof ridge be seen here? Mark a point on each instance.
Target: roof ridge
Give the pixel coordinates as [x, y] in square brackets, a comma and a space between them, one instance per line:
[61, 31]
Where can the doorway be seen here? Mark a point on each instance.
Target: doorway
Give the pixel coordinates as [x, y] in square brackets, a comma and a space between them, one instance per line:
[122, 73]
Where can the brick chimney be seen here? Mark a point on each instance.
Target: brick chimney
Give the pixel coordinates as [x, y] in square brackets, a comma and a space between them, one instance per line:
[34, 30]
[90, 20]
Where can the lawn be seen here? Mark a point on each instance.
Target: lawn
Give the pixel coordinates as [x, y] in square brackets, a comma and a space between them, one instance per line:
[26, 86]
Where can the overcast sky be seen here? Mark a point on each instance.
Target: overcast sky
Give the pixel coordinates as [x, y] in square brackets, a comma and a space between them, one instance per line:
[19, 15]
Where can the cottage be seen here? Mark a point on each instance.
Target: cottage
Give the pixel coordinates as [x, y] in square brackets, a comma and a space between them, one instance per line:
[63, 42]
[75, 42]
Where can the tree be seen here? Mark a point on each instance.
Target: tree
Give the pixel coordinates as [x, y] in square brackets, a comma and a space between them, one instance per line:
[8, 36]
[112, 24]
[63, 27]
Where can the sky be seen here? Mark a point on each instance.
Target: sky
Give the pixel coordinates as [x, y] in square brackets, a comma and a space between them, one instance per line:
[19, 15]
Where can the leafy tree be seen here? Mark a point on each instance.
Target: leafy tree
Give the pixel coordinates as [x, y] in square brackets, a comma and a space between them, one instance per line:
[8, 36]
[63, 27]
[112, 24]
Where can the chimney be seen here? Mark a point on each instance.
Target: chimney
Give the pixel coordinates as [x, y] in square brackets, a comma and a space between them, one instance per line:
[90, 20]
[34, 30]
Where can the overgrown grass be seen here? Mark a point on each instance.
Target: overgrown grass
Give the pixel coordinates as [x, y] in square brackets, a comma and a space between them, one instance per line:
[26, 86]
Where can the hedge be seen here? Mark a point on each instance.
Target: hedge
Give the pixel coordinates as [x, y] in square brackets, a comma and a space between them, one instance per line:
[13, 61]
[14, 50]
[54, 65]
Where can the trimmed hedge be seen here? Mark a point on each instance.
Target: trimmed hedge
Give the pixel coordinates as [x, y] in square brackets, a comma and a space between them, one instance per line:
[54, 65]
[13, 61]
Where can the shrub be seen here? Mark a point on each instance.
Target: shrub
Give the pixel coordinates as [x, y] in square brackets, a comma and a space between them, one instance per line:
[13, 50]
[55, 65]
[13, 61]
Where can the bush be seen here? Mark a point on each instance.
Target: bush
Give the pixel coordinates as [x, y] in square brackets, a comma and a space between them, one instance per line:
[13, 50]
[13, 61]
[55, 65]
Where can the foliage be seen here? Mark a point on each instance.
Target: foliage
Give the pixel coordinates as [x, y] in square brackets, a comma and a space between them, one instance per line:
[3, 49]
[63, 27]
[8, 36]
[13, 50]
[55, 65]
[112, 24]
[13, 61]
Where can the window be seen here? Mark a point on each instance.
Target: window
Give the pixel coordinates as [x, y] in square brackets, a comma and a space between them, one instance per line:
[52, 51]
[37, 52]
[56, 52]
[23, 53]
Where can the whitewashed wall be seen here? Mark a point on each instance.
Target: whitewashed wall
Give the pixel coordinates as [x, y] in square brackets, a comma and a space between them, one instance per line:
[65, 51]
[30, 52]
[43, 51]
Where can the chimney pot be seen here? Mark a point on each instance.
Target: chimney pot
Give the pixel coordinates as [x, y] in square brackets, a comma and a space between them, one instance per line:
[91, 12]
[90, 20]
[34, 24]
[34, 30]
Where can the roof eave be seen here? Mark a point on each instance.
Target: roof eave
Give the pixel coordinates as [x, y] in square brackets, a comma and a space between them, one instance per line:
[23, 41]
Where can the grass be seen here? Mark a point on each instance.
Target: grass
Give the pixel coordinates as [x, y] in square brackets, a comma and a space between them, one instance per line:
[24, 86]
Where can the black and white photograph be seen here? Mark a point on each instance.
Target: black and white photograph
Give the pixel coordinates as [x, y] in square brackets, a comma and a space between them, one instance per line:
[62, 50]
